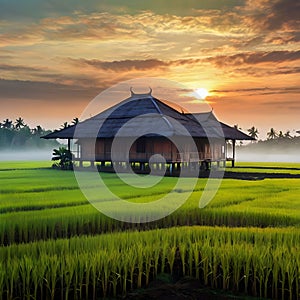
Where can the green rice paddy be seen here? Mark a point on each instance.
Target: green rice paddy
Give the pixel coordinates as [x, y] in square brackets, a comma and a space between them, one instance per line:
[56, 245]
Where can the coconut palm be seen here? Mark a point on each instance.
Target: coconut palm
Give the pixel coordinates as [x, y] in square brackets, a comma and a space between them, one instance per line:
[38, 130]
[236, 126]
[19, 123]
[272, 134]
[288, 135]
[253, 132]
[64, 125]
[7, 124]
[75, 121]
[280, 134]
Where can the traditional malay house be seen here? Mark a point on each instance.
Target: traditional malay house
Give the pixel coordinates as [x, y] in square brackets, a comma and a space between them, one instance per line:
[147, 126]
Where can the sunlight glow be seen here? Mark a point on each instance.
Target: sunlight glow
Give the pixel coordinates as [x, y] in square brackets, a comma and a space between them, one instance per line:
[201, 93]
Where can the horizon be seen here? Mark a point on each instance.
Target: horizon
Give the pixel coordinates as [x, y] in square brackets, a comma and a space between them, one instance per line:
[56, 58]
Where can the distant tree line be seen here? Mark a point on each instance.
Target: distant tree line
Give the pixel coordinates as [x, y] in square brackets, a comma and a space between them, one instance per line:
[17, 135]
[272, 134]
[279, 139]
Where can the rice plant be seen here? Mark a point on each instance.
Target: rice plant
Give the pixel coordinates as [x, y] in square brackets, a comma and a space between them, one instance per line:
[55, 245]
[240, 259]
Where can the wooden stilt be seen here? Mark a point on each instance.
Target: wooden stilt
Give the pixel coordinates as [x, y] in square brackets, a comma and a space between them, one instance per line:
[233, 154]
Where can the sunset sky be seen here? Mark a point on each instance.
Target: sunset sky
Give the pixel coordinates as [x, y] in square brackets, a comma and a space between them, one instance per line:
[56, 56]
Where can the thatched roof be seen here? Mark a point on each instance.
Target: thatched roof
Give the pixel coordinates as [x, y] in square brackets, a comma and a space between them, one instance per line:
[142, 112]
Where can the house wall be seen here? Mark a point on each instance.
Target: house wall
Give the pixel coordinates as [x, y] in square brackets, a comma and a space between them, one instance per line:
[153, 145]
[87, 147]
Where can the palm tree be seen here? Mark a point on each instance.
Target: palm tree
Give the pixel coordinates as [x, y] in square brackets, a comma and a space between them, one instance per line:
[64, 125]
[280, 134]
[253, 132]
[287, 135]
[65, 158]
[38, 130]
[7, 124]
[75, 121]
[272, 134]
[19, 123]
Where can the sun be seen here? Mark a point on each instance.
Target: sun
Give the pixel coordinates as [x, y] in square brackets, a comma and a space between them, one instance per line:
[201, 93]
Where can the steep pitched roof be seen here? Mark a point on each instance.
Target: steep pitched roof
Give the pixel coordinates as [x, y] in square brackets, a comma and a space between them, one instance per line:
[231, 133]
[143, 111]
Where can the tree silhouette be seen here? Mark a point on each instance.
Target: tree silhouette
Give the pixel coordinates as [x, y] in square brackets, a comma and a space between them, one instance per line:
[7, 124]
[288, 135]
[64, 125]
[280, 134]
[19, 123]
[21, 135]
[64, 156]
[75, 121]
[253, 132]
[272, 134]
[38, 130]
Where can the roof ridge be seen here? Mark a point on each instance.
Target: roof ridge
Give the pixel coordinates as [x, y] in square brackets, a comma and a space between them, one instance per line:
[160, 112]
[180, 114]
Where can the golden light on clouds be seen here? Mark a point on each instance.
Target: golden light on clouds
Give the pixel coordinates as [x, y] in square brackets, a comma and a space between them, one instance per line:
[246, 53]
[201, 93]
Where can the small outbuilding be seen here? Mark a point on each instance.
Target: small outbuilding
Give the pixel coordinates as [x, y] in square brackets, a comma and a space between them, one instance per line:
[146, 126]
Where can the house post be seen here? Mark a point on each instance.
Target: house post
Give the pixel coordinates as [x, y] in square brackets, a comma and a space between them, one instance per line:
[233, 153]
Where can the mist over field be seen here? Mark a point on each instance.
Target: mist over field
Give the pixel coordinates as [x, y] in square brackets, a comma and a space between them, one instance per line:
[26, 155]
[267, 156]
[268, 151]
[242, 155]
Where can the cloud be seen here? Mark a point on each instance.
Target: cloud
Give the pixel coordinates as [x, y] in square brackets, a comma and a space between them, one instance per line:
[260, 91]
[34, 90]
[18, 68]
[142, 26]
[255, 64]
[76, 27]
[286, 104]
[267, 71]
[33, 9]
[288, 38]
[123, 65]
[253, 58]
[283, 12]
[273, 15]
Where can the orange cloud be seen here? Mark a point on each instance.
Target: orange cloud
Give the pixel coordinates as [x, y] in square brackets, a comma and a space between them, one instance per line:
[253, 45]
